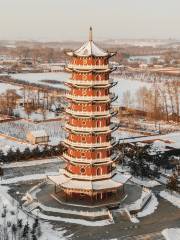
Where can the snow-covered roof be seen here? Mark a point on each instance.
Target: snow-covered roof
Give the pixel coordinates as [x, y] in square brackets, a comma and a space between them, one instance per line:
[66, 182]
[89, 49]
[39, 133]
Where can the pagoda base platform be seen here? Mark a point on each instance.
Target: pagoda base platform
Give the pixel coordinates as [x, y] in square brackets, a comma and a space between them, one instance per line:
[105, 192]
[51, 204]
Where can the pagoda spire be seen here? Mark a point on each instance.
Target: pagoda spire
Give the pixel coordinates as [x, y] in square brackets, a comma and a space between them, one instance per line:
[90, 34]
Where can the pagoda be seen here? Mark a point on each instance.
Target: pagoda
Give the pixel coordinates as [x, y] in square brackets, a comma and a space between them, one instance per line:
[90, 174]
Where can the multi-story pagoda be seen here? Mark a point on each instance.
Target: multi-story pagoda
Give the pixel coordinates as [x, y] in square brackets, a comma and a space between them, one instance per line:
[90, 171]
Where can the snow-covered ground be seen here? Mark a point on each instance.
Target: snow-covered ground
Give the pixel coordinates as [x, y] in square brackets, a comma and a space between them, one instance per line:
[36, 115]
[122, 87]
[41, 215]
[13, 213]
[149, 208]
[139, 203]
[131, 86]
[171, 233]
[31, 163]
[6, 86]
[145, 182]
[20, 128]
[39, 78]
[173, 197]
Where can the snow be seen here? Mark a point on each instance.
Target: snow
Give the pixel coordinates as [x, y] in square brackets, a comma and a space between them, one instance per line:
[134, 219]
[6, 86]
[25, 178]
[173, 198]
[122, 178]
[31, 163]
[169, 140]
[39, 133]
[122, 87]
[137, 205]
[11, 205]
[150, 207]
[145, 182]
[39, 78]
[67, 182]
[171, 233]
[75, 212]
[75, 221]
[128, 85]
[20, 128]
[90, 48]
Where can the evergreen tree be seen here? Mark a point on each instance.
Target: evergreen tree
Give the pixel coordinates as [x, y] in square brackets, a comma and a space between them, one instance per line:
[27, 153]
[2, 156]
[18, 155]
[19, 223]
[25, 230]
[10, 155]
[36, 152]
[14, 230]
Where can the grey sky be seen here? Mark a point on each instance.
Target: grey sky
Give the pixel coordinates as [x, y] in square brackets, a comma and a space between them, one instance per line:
[70, 19]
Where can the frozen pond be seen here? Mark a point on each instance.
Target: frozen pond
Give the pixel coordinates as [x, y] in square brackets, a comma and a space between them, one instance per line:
[120, 89]
[43, 78]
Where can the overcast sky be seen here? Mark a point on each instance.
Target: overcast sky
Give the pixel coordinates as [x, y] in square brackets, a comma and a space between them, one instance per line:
[70, 19]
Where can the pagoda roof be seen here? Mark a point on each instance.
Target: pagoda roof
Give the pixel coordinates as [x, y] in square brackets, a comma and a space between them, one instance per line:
[115, 182]
[90, 49]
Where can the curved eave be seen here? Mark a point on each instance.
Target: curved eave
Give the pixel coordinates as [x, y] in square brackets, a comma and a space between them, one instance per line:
[111, 129]
[90, 162]
[111, 54]
[89, 147]
[74, 54]
[114, 113]
[109, 70]
[105, 55]
[111, 99]
[110, 85]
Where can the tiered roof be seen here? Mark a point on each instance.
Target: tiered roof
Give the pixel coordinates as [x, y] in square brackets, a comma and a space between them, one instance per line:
[90, 49]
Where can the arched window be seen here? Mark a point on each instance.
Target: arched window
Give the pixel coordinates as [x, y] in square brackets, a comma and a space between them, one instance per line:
[98, 155]
[99, 171]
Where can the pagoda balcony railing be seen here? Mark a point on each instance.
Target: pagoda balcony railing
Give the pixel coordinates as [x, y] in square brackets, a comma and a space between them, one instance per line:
[110, 112]
[111, 127]
[91, 177]
[110, 143]
[91, 161]
[90, 82]
[88, 67]
[109, 97]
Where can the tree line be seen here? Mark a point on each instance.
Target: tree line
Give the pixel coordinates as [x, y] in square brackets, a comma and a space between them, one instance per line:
[29, 154]
[161, 101]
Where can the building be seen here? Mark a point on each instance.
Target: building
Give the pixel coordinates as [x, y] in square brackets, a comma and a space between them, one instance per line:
[37, 137]
[52, 67]
[90, 171]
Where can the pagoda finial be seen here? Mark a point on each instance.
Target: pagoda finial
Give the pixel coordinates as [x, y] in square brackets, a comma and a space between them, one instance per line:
[90, 34]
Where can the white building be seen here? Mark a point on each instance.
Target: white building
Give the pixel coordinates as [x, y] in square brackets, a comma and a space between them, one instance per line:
[38, 136]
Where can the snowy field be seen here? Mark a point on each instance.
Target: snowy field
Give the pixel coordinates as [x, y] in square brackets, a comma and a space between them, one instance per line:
[41, 78]
[37, 115]
[173, 197]
[123, 85]
[171, 233]
[13, 213]
[20, 128]
[6, 86]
